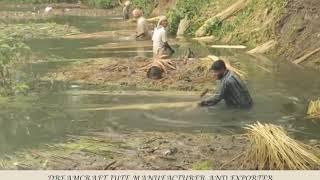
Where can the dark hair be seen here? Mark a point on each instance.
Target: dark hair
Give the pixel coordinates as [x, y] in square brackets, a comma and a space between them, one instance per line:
[218, 65]
[154, 73]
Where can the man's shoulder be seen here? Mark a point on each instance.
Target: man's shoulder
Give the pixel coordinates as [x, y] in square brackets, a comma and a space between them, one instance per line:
[231, 78]
[142, 19]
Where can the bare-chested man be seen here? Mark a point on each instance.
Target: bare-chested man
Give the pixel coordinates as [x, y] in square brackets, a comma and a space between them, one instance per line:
[142, 32]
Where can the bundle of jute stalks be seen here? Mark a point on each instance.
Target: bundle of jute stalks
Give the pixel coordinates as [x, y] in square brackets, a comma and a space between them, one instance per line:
[272, 149]
[313, 111]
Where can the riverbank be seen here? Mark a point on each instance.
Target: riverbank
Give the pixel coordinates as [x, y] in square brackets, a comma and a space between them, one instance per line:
[287, 29]
[136, 151]
[131, 151]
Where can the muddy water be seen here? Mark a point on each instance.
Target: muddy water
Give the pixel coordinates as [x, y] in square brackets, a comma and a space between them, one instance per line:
[55, 109]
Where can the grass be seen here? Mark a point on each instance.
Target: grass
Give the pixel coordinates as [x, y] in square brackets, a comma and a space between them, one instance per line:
[252, 26]
[203, 165]
[146, 5]
[95, 3]
[186, 8]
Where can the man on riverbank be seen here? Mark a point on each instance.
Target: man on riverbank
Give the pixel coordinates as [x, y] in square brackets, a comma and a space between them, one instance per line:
[232, 89]
[161, 48]
[142, 32]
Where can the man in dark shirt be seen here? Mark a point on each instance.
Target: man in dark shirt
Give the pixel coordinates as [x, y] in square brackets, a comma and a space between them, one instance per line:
[232, 89]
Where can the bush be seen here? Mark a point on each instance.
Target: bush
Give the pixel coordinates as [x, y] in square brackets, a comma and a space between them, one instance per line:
[12, 50]
[185, 8]
[146, 5]
[174, 20]
[102, 3]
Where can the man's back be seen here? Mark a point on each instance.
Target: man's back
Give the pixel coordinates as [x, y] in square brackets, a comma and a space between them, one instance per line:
[142, 26]
[159, 38]
[236, 94]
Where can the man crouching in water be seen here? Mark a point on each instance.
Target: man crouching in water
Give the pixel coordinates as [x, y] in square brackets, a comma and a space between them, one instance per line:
[161, 48]
[142, 25]
[232, 89]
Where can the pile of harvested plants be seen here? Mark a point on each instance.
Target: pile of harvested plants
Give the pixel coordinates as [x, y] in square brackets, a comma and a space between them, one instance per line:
[272, 149]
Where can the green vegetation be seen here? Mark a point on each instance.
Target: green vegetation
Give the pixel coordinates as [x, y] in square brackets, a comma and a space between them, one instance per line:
[102, 3]
[95, 3]
[187, 8]
[40, 1]
[38, 30]
[13, 50]
[203, 165]
[146, 5]
[252, 26]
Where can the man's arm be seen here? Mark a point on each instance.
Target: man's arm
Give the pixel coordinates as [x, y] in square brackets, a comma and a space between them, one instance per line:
[211, 101]
[166, 44]
[139, 35]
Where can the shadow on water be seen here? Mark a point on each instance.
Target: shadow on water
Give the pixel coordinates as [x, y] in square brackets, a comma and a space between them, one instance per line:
[280, 90]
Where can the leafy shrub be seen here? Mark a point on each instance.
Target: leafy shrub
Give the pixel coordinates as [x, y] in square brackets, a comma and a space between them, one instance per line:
[185, 8]
[102, 3]
[146, 5]
[12, 50]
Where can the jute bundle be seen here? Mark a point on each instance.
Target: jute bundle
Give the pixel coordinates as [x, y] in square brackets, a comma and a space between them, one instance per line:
[314, 109]
[271, 148]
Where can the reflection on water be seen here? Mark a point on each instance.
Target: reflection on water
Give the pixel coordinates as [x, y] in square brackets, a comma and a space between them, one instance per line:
[280, 90]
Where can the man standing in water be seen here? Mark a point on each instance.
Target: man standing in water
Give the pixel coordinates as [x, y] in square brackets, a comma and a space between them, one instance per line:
[126, 10]
[161, 48]
[232, 89]
[142, 25]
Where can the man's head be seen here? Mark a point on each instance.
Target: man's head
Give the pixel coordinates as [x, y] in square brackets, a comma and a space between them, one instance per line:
[137, 13]
[218, 68]
[163, 21]
[127, 3]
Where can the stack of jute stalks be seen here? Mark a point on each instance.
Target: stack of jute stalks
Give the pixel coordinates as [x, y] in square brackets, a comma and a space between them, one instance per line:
[272, 149]
[314, 110]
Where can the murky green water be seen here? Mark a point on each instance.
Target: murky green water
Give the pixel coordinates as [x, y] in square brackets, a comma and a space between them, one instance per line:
[280, 90]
